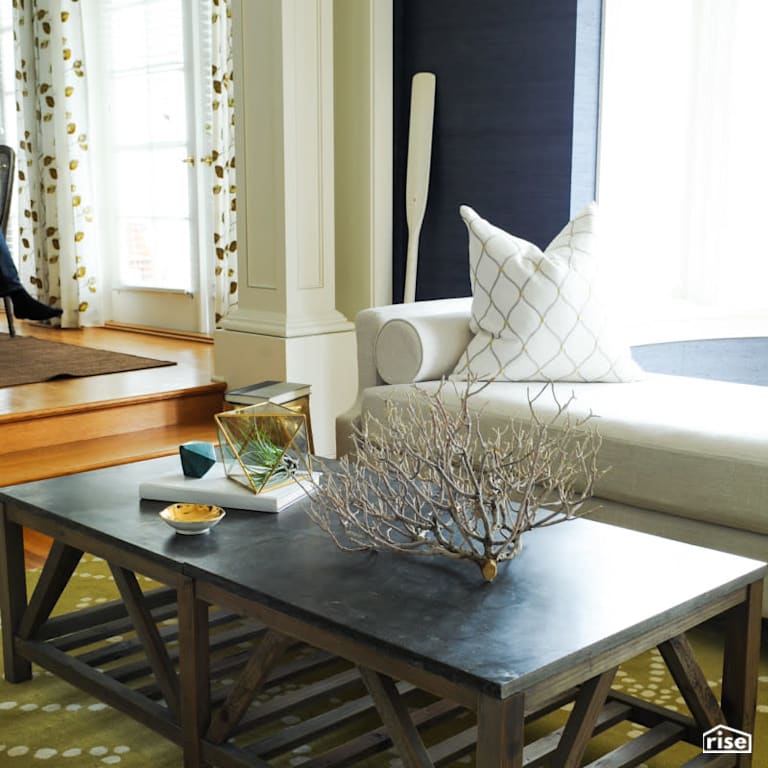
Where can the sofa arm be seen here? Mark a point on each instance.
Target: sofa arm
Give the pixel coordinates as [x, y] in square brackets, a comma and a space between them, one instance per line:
[368, 325]
[369, 322]
[345, 428]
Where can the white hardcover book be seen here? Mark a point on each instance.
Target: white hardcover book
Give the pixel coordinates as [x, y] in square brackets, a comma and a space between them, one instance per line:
[216, 488]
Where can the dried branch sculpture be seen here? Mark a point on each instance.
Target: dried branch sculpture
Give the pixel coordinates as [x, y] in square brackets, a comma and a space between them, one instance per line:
[425, 480]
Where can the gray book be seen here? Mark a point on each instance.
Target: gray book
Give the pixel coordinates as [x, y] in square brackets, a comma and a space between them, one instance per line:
[272, 391]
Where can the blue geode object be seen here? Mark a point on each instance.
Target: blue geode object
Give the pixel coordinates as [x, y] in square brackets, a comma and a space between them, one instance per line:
[197, 458]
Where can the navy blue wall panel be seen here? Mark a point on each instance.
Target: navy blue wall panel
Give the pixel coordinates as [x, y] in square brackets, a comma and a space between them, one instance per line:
[503, 135]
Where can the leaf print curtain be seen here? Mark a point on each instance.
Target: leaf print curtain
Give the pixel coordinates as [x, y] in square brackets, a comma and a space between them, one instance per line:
[224, 189]
[56, 221]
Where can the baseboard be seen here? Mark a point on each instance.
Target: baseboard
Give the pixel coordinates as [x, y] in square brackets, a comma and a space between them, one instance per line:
[167, 333]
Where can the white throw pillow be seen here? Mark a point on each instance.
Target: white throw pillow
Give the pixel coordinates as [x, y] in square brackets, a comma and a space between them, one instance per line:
[538, 316]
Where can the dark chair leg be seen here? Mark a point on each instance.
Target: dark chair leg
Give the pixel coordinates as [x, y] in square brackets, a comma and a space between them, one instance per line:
[9, 315]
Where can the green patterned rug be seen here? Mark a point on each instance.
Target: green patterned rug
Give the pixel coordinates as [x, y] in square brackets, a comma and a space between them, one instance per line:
[46, 721]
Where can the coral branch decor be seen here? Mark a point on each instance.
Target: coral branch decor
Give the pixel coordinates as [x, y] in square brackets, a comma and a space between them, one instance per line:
[425, 480]
[263, 445]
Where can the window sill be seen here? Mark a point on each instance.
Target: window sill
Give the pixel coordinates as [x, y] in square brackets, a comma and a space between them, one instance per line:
[680, 321]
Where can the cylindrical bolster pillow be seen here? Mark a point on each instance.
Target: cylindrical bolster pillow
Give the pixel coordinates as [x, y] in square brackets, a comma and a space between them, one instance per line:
[420, 348]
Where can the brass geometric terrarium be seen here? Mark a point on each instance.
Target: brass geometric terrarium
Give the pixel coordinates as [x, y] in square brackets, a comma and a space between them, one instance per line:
[264, 445]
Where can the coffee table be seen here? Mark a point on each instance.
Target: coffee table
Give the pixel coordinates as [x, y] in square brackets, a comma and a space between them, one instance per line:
[551, 629]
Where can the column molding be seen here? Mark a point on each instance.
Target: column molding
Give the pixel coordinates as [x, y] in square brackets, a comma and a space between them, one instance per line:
[284, 91]
[286, 325]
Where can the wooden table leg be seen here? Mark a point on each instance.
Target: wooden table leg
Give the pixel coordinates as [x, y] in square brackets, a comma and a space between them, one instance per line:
[57, 571]
[581, 723]
[691, 682]
[194, 673]
[741, 662]
[13, 596]
[396, 719]
[251, 679]
[146, 630]
[500, 736]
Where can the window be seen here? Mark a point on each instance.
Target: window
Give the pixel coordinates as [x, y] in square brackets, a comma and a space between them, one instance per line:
[8, 130]
[148, 130]
[683, 160]
[7, 77]
[146, 59]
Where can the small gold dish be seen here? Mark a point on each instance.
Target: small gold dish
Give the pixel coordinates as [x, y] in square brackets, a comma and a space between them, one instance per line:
[191, 519]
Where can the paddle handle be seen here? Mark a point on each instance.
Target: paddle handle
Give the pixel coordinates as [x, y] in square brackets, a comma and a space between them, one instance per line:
[417, 171]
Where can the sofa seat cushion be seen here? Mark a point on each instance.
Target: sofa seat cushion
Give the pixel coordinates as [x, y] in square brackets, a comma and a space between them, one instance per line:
[691, 447]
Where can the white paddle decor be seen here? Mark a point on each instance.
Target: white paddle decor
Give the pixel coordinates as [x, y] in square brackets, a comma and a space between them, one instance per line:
[417, 171]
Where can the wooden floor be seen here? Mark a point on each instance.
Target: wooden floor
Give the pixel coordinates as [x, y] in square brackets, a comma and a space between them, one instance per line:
[190, 381]
[194, 368]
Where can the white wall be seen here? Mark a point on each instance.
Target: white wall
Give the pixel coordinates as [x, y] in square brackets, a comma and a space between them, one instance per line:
[363, 131]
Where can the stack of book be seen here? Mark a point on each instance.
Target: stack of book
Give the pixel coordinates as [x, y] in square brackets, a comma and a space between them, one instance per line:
[216, 488]
[273, 391]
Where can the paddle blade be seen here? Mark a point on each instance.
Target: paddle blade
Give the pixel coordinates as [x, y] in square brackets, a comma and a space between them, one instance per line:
[417, 171]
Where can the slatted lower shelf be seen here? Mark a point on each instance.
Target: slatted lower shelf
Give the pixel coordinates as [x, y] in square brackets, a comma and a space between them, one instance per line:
[310, 700]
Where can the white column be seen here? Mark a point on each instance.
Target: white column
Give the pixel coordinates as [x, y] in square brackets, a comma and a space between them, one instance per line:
[363, 39]
[286, 326]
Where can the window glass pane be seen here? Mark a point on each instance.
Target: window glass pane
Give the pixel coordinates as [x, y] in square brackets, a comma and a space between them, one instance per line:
[153, 182]
[149, 108]
[154, 252]
[147, 92]
[145, 34]
[167, 105]
[7, 77]
[8, 127]
[682, 156]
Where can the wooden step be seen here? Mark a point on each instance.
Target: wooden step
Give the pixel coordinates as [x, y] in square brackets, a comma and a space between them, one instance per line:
[30, 430]
[35, 445]
[193, 409]
[68, 458]
[71, 425]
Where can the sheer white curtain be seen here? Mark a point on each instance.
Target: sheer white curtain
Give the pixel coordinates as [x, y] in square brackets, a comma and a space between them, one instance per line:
[684, 153]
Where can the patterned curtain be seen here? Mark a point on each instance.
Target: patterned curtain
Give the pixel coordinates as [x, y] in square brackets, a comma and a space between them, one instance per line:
[55, 204]
[224, 187]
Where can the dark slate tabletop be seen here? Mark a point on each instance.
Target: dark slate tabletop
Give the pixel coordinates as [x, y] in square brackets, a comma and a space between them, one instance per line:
[575, 590]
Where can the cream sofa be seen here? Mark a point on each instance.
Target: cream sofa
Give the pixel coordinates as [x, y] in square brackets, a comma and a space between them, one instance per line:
[688, 457]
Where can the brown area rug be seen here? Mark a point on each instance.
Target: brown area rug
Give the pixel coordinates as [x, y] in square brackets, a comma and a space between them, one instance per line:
[26, 360]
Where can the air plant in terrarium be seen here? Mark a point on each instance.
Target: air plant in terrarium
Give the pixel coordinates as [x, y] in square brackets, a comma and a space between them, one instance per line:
[264, 445]
[264, 460]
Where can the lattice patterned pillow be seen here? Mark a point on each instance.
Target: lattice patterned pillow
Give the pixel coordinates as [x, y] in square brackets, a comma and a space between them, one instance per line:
[537, 316]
